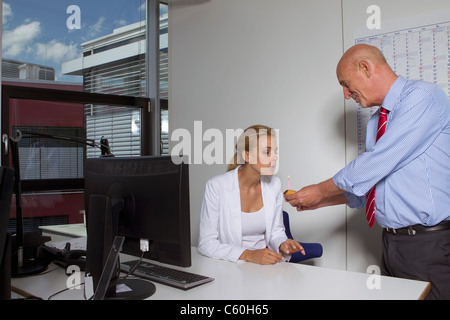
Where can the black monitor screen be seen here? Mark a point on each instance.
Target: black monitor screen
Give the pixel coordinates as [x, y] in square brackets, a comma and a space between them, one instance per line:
[149, 199]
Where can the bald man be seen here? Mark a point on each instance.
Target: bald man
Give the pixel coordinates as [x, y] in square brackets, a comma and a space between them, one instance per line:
[409, 165]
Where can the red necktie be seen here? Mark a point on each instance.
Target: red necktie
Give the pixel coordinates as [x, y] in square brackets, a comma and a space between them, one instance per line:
[370, 199]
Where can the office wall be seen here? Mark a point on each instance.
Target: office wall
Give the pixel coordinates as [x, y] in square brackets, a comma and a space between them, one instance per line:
[235, 63]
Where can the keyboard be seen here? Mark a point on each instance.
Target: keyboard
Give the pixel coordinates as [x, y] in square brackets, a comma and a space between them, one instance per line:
[164, 275]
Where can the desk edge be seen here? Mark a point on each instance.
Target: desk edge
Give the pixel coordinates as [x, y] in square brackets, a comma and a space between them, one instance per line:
[425, 292]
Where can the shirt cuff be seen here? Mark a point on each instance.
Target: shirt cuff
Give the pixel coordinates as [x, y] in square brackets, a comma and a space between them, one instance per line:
[354, 201]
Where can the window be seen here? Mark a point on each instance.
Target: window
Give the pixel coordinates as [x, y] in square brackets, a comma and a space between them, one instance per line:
[42, 158]
[80, 46]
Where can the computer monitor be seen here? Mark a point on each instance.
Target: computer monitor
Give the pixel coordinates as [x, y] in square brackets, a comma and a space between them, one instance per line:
[138, 198]
[6, 189]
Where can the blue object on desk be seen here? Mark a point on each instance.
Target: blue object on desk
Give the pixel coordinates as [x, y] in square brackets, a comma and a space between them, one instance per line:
[312, 250]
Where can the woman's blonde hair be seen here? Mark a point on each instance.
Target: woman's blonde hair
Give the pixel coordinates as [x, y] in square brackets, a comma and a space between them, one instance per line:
[247, 140]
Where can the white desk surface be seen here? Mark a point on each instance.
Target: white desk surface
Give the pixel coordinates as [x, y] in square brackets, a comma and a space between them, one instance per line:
[248, 281]
[286, 281]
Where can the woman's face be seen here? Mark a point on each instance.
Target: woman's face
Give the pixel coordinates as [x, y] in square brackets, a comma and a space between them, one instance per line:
[264, 155]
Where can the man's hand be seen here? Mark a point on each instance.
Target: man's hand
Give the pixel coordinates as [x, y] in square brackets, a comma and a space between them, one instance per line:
[316, 196]
[306, 198]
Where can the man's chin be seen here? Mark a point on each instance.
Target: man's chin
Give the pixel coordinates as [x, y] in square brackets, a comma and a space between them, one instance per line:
[362, 104]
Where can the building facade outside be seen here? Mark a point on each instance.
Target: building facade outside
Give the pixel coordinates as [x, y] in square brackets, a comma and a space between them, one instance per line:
[115, 64]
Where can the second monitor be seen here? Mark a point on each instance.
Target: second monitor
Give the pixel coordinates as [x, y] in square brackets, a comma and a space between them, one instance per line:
[147, 198]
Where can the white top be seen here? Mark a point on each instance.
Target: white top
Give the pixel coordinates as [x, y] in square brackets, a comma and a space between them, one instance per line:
[254, 229]
[220, 233]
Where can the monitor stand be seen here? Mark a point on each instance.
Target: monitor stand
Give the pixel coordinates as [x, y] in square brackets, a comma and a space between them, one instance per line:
[29, 267]
[122, 289]
[132, 289]
[28, 260]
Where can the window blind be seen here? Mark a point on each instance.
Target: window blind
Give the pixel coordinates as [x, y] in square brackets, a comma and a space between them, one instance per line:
[120, 125]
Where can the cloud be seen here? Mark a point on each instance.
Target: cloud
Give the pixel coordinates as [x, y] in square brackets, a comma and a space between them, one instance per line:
[7, 12]
[56, 51]
[22, 40]
[121, 22]
[96, 28]
[17, 40]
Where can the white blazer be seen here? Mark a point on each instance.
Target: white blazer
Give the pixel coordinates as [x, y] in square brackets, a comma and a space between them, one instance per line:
[220, 233]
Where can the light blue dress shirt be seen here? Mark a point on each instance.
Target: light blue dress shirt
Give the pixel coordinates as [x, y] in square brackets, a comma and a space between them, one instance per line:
[410, 163]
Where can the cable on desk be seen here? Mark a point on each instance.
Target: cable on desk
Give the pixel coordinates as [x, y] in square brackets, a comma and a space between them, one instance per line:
[134, 267]
[63, 290]
[44, 272]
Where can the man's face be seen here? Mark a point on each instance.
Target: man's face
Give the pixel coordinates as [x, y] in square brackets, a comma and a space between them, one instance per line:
[355, 85]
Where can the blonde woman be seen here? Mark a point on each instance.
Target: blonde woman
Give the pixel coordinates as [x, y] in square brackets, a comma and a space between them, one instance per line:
[241, 216]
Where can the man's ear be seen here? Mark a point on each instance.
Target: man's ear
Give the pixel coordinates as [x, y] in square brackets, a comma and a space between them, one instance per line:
[365, 67]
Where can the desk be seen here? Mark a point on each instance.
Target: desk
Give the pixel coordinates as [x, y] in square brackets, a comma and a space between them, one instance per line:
[248, 281]
[65, 230]
[287, 281]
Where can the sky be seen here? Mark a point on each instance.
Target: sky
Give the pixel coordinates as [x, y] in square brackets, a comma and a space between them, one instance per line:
[36, 31]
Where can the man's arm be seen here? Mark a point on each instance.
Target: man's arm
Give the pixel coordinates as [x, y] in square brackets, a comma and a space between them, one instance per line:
[316, 196]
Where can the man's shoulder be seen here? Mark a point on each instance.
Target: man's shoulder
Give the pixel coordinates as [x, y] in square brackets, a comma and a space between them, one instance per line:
[420, 87]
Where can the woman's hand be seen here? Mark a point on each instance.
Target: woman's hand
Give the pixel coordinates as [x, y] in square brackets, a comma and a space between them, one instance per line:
[261, 256]
[291, 246]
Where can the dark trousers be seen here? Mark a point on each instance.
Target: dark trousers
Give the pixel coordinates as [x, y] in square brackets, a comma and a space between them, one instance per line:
[424, 256]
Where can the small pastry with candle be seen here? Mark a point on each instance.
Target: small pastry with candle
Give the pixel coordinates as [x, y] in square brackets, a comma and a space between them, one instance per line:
[289, 191]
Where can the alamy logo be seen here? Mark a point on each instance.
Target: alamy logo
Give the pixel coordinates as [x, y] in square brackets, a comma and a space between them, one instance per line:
[374, 280]
[74, 20]
[74, 280]
[374, 20]
[213, 146]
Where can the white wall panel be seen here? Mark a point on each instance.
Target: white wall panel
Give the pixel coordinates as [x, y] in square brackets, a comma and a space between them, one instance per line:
[238, 63]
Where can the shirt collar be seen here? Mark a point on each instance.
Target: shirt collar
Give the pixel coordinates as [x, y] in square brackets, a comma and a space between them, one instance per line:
[394, 92]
